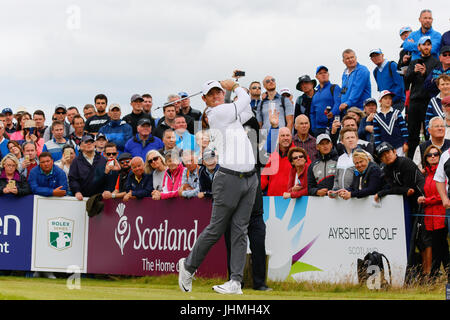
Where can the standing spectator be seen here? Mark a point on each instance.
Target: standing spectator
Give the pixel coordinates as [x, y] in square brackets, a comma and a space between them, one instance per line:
[144, 141]
[430, 83]
[88, 111]
[190, 184]
[71, 112]
[186, 108]
[435, 233]
[94, 123]
[303, 103]
[255, 95]
[167, 121]
[185, 140]
[303, 138]
[356, 86]
[117, 130]
[119, 188]
[207, 172]
[139, 184]
[11, 181]
[435, 105]
[365, 129]
[54, 146]
[405, 56]
[112, 167]
[325, 102]
[169, 140]
[47, 179]
[437, 138]
[39, 120]
[173, 176]
[147, 103]
[25, 131]
[203, 140]
[416, 74]
[274, 101]
[9, 116]
[322, 171]
[387, 78]
[347, 122]
[60, 115]
[389, 125]
[100, 143]
[275, 175]
[298, 176]
[29, 160]
[87, 170]
[3, 141]
[175, 100]
[156, 166]
[426, 29]
[78, 127]
[15, 148]
[137, 113]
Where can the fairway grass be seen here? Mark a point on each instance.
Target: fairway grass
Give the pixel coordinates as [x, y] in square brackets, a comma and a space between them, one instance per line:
[166, 288]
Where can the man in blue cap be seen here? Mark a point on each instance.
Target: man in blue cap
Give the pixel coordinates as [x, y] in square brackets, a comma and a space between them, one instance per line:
[426, 29]
[10, 126]
[443, 68]
[416, 74]
[186, 108]
[387, 78]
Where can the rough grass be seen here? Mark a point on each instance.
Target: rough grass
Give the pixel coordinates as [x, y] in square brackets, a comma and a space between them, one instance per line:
[166, 288]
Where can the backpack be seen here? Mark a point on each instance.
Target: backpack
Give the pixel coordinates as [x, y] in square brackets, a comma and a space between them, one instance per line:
[373, 259]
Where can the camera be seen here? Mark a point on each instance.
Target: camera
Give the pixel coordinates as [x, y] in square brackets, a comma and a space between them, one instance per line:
[239, 73]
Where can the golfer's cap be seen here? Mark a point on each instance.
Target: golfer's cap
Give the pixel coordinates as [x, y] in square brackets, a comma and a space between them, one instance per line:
[208, 154]
[183, 94]
[208, 85]
[136, 97]
[87, 138]
[385, 93]
[320, 68]
[405, 29]
[7, 110]
[114, 106]
[124, 156]
[444, 49]
[375, 51]
[285, 91]
[369, 100]
[144, 121]
[383, 147]
[424, 39]
[446, 101]
[100, 136]
[321, 137]
[60, 106]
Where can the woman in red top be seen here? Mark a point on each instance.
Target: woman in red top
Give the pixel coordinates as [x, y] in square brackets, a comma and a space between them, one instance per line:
[298, 184]
[435, 233]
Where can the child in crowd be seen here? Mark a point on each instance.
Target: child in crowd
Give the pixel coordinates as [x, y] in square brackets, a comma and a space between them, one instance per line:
[207, 172]
[190, 186]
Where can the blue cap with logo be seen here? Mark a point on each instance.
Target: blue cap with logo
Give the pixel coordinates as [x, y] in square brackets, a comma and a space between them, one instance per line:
[405, 29]
[183, 94]
[424, 39]
[7, 110]
[375, 51]
[320, 68]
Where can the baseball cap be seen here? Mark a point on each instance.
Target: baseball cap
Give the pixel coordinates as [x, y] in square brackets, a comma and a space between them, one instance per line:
[60, 106]
[321, 137]
[113, 106]
[7, 110]
[383, 147]
[375, 51]
[208, 154]
[87, 138]
[369, 100]
[124, 156]
[446, 101]
[444, 49]
[144, 121]
[424, 39]
[305, 78]
[320, 68]
[405, 29]
[385, 93]
[100, 136]
[208, 85]
[183, 94]
[285, 90]
[135, 97]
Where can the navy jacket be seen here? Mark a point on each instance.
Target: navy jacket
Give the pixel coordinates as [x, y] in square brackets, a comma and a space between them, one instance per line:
[205, 181]
[370, 181]
[87, 178]
[139, 189]
[138, 148]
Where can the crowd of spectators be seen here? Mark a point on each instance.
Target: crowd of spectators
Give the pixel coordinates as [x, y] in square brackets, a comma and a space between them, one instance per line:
[334, 140]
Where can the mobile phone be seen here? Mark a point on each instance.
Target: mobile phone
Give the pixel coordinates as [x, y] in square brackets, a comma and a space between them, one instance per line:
[11, 183]
[31, 130]
[27, 157]
[239, 74]
[67, 152]
[328, 109]
[338, 118]
[420, 61]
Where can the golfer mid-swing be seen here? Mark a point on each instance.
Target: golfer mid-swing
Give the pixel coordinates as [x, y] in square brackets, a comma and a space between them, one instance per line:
[234, 185]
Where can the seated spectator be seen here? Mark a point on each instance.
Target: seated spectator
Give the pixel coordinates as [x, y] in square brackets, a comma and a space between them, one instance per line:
[87, 170]
[366, 178]
[15, 148]
[275, 175]
[68, 156]
[144, 141]
[322, 171]
[47, 179]
[356, 113]
[390, 126]
[138, 184]
[172, 179]
[298, 176]
[434, 235]
[11, 181]
[170, 142]
[100, 143]
[55, 144]
[436, 129]
[3, 141]
[365, 130]
[435, 106]
[203, 140]
[190, 182]
[155, 165]
[29, 160]
[303, 138]
[119, 189]
[207, 172]
[112, 167]
[349, 122]
[185, 140]
[117, 130]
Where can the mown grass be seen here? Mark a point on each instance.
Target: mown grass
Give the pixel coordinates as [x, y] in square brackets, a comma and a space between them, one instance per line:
[166, 288]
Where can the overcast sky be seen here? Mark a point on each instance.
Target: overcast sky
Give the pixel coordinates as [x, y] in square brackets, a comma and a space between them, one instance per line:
[69, 51]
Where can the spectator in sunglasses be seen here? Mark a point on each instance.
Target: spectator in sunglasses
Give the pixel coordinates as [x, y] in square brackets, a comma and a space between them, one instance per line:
[119, 187]
[155, 165]
[298, 183]
[60, 115]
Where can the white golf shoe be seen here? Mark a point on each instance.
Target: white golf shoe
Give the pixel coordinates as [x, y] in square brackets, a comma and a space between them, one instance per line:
[184, 277]
[229, 287]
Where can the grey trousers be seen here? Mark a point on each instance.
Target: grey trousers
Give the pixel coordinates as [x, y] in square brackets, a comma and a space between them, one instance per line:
[233, 199]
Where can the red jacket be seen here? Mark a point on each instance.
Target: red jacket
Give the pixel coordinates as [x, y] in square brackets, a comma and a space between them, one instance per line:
[433, 203]
[303, 182]
[275, 175]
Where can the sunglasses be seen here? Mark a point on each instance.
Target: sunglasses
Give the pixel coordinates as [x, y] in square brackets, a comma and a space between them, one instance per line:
[255, 88]
[111, 153]
[298, 157]
[153, 159]
[60, 112]
[445, 54]
[434, 154]
[270, 80]
[125, 161]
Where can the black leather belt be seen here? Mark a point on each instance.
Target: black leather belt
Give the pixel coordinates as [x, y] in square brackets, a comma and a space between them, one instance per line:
[237, 173]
